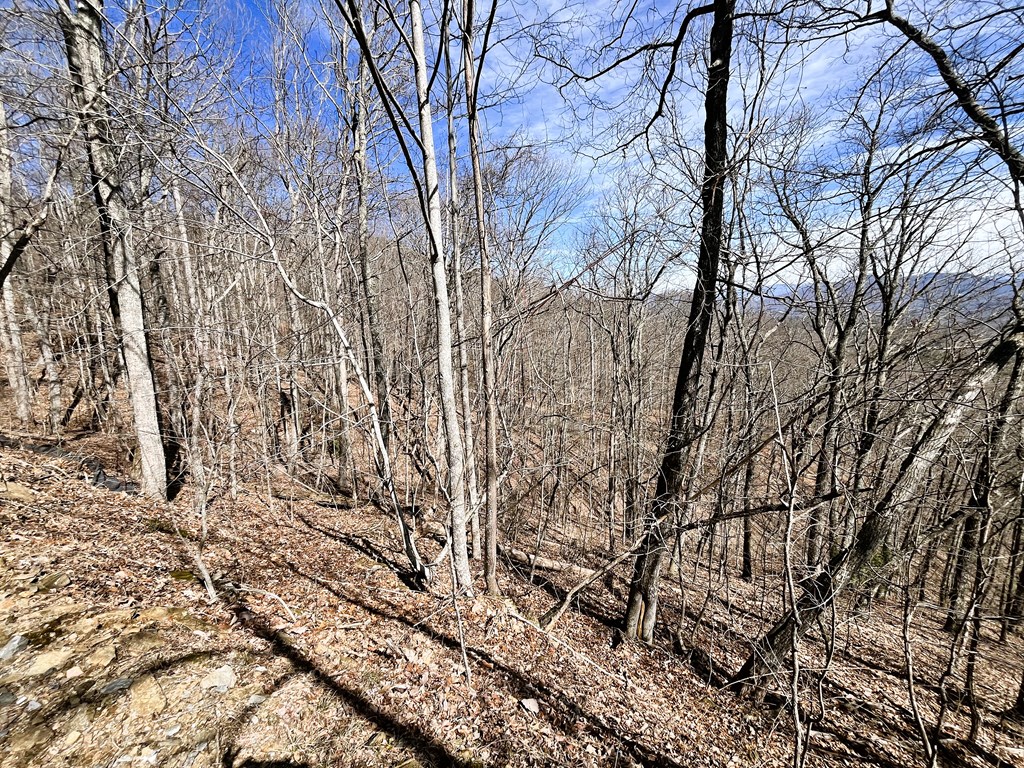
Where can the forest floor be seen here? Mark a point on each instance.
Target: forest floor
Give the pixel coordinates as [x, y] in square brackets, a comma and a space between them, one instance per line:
[318, 654]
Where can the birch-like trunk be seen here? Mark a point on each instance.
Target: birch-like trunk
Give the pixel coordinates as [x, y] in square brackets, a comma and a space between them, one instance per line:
[40, 319]
[14, 349]
[82, 29]
[486, 313]
[454, 226]
[442, 308]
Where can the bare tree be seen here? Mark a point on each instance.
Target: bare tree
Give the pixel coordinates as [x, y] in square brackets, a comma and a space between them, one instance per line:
[472, 88]
[82, 27]
[686, 419]
[425, 176]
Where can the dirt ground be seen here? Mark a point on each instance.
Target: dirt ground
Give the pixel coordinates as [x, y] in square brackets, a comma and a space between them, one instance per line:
[316, 653]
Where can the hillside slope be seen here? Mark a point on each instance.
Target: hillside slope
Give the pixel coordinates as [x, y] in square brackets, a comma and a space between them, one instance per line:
[317, 654]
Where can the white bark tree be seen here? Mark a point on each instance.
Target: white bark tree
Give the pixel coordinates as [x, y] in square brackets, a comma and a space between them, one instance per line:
[82, 26]
[415, 136]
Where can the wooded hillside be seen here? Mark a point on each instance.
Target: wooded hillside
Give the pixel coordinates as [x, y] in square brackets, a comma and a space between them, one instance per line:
[511, 384]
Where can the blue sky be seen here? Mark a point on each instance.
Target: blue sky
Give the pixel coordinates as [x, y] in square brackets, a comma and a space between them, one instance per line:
[579, 124]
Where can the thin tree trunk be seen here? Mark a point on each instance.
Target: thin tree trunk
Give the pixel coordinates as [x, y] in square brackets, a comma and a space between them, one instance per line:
[747, 570]
[964, 553]
[455, 235]
[84, 43]
[14, 357]
[686, 420]
[486, 312]
[454, 453]
[367, 268]
[1015, 587]
[40, 318]
[17, 370]
[1018, 706]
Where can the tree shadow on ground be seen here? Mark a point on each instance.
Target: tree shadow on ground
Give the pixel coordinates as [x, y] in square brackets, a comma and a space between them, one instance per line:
[229, 734]
[863, 750]
[567, 714]
[231, 755]
[961, 697]
[366, 547]
[584, 604]
[425, 747]
[105, 693]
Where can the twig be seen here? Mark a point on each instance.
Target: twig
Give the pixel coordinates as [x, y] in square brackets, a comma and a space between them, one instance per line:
[205, 574]
[252, 590]
[351, 625]
[583, 657]
[197, 556]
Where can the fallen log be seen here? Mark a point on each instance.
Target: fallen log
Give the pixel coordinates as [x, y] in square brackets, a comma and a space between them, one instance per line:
[527, 560]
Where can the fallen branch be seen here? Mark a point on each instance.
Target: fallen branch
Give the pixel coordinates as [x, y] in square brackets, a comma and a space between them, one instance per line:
[544, 563]
[265, 593]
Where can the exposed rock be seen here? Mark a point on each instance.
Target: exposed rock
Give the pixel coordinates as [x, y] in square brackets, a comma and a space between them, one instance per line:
[141, 642]
[120, 684]
[85, 626]
[48, 662]
[101, 657]
[15, 492]
[72, 738]
[81, 719]
[53, 581]
[57, 611]
[115, 619]
[147, 697]
[30, 738]
[14, 646]
[157, 613]
[75, 671]
[220, 679]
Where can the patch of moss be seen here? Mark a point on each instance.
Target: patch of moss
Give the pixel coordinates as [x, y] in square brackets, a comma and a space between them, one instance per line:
[156, 525]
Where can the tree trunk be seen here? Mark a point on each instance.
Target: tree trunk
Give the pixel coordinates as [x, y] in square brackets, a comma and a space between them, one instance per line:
[771, 650]
[964, 553]
[367, 268]
[10, 334]
[1015, 598]
[82, 29]
[1018, 706]
[40, 318]
[17, 371]
[431, 204]
[455, 234]
[486, 312]
[747, 568]
[686, 419]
